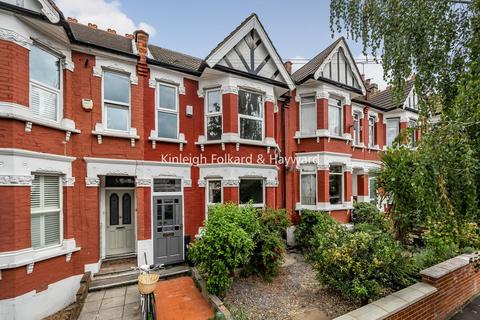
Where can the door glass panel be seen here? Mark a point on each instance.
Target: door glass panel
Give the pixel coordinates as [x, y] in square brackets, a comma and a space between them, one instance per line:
[167, 185]
[168, 214]
[114, 209]
[126, 209]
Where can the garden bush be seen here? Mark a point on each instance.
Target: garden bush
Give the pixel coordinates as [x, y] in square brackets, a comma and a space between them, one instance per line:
[369, 213]
[239, 237]
[304, 230]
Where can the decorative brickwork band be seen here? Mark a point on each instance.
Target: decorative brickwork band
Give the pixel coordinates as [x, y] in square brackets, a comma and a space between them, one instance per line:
[92, 181]
[12, 180]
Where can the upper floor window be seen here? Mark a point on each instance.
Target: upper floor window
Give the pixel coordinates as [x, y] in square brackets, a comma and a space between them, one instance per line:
[308, 185]
[336, 184]
[412, 124]
[213, 113]
[250, 115]
[393, 128]
[371, 130]
[45, 83]
[251, 191]
[167, 111]
[308, 115]
[116, 100]
[335, 117]
[46, 208]
[356, 128]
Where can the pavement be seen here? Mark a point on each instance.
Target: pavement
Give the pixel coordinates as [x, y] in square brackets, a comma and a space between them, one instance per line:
[470, 312]
[176, 299]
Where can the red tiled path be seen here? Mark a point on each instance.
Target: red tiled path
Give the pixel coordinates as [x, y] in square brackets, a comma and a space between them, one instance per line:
[179, 299]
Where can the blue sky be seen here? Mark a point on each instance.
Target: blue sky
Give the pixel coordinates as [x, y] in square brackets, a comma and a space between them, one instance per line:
[298, 29]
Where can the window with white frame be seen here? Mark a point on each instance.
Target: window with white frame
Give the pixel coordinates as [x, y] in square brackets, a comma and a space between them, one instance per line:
[214, 192]
[45, 83]
[393, 129]
[308, 185]
[213, 114]
[167, 111]
[412, 124]
[308, 115]
[371, 130]
[46, 211]
[336, 184]
[356, 128]
[335, 117]
[250, 115]
[116, 100]
[252, 191]
[372, 189]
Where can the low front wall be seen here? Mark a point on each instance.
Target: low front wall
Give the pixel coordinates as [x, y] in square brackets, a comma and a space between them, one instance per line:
[444, 289]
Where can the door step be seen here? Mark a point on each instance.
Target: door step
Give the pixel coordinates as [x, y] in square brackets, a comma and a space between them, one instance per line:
[127, 277]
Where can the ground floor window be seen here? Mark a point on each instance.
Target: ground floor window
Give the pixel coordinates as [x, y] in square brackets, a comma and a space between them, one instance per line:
[336, 184]
[308, 186]
[372, 189]
[214, 193]
[46, 210]
[251, 191]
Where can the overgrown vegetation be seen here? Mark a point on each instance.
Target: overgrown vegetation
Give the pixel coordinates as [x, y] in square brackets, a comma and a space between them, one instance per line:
[239, 237]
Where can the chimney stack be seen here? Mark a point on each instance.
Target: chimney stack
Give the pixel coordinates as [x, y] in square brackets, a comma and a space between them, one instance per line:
[141, 41]
[92, 25]
[70, 19]
[129, 35]
[288, 66]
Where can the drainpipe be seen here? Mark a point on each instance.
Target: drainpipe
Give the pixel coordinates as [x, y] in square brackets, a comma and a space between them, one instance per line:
[284, 151]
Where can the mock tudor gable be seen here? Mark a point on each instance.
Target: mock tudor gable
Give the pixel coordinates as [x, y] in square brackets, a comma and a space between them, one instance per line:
[249, 50]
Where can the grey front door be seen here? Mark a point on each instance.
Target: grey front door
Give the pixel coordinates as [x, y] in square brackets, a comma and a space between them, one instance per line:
[168, 229]
[120, 230]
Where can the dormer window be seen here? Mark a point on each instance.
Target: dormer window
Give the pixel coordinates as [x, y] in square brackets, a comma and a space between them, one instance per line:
[213, 115]
[45, 83]
[250, 115]
[335, 117]
[167, 111]
[116, 101]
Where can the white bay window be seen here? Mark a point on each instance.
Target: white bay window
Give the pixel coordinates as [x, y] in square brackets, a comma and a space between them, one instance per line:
[393, 129]
[356, 128]
[336, 184]
[45, 83]
[214, 193]
[335, 117]
[213, 115]
[250, 115]
[116, 101]
[371, 131]
[46, 211]
[308, 115]
[167, 111]
[252, 191]
[308, 186]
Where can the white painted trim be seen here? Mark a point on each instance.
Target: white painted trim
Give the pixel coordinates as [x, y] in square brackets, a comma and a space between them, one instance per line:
[37, 305]
[154, 133]
[93, 267]
[23, 257]
[252, 23]
[230, 173]
[22, 113]
[50, 11]
[13, 180]
[12, 36]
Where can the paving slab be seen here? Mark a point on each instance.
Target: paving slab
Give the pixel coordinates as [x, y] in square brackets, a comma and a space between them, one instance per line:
[470, 312]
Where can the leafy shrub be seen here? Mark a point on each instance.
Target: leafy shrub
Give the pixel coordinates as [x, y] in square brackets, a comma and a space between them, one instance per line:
[358, 264]
[269, 249]
[305, 229]
[368, 213]
[225, 245]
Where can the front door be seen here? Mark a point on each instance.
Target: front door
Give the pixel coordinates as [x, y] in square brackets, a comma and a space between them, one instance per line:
[120, 233]
[168, 229]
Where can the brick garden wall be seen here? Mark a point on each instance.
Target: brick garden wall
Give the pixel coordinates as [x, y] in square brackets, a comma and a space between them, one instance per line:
[444, 289]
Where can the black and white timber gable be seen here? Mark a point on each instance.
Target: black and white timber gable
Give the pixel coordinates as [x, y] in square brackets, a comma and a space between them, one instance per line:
[248, 50]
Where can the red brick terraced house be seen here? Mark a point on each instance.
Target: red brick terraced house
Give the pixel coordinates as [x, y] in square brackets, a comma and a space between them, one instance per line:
[111, 146]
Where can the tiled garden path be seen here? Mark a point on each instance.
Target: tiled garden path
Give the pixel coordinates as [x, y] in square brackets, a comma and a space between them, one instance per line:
[179, 299]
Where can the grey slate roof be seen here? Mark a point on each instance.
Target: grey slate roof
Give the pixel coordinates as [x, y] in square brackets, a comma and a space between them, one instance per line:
[176, 59]
[386, 99]
[311, 66]
[101, 38]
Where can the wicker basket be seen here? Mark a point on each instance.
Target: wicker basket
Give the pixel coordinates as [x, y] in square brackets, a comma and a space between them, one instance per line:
[147, 282]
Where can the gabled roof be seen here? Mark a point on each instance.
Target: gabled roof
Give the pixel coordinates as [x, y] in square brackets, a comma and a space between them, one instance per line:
[182, 62]
[386, 99]
[248, 50]
[101, 38]
[309, 68]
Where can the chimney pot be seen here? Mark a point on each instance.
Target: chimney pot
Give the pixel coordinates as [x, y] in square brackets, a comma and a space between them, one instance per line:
[92, 25]
[288, 66]
[112, 31]
[71, 19]
[129, 35]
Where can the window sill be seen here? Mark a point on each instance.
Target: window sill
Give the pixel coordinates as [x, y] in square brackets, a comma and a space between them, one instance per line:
[322, 133]
[268, 142]
[27, 257]
[324, 206]
[15, 111]
[101, 132]
[155, 138]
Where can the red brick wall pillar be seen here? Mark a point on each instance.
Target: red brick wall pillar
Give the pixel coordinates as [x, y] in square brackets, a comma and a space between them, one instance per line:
[15, 229]
[14, 73]
[380, 134]
[269, 119]
[67, 94]
[270, 197]
[347, 119]
[322, 113]
[362, 187]
[144, 213]
[348, 185]
[68, 220]
[323, 185]
[365, 126]
[230, 194]
[230, 113]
